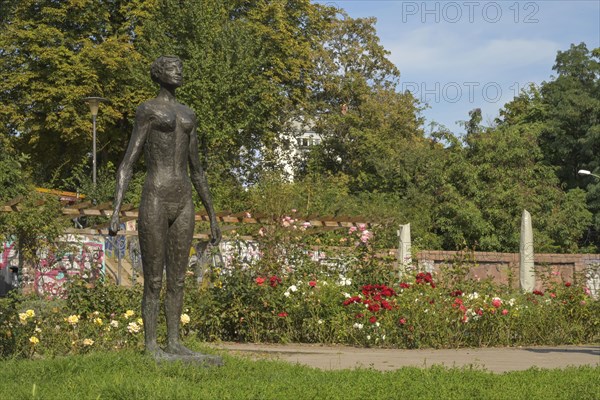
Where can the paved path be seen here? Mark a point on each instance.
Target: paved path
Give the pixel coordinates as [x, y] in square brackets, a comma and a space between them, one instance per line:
[490, 359]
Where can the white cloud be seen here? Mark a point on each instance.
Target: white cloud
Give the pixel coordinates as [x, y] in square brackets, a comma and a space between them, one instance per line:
[455, 71]
[430, 51]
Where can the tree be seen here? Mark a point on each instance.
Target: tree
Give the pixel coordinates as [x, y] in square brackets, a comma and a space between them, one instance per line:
[52, 55]
[565, 111]
[13, 172]
[38, 221]
[508, 175]
[570, 138]
[368, 127]
[248, 70]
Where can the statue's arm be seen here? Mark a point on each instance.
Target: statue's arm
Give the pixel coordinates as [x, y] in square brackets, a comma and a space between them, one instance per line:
[201, 184]
[134, 150]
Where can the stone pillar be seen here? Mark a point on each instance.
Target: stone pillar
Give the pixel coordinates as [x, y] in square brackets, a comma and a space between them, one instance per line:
[526, 270]
[404, 248]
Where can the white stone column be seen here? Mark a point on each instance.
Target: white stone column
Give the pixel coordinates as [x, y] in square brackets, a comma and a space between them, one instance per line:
[526, 268]
[404, 248]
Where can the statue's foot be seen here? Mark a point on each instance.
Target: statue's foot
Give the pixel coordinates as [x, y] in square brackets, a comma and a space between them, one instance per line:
[177, 351]
[157, 353]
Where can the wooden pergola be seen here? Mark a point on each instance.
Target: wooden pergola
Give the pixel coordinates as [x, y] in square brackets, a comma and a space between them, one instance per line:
[75, 205]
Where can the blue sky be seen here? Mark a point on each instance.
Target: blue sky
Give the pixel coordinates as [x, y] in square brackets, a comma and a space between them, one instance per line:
[460, 55]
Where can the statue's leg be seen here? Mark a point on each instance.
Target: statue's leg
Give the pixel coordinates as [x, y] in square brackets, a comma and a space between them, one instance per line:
[179, 242]
[152, 226]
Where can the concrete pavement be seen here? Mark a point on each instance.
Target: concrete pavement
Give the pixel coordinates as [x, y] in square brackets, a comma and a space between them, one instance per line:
[490, 359]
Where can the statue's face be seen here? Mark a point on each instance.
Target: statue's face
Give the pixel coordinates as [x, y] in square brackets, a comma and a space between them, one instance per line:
[172, 74]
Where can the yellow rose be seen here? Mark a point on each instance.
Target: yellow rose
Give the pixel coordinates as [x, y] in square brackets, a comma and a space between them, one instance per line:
[34, 340]
[185, 319]
[30, 313]
[88, 342]
[133, 327]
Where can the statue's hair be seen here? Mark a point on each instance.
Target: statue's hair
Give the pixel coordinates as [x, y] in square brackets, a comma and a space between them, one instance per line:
[157, 68]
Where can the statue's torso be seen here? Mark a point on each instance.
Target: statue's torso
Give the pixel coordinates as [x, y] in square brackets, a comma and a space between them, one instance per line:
[166, 149]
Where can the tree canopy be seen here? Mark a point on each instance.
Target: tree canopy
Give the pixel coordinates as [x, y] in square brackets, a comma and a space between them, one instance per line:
[565, 111]
[52, 55]
[253, 67]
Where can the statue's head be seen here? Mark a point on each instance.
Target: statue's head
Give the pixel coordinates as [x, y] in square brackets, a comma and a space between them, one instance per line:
[160, 70]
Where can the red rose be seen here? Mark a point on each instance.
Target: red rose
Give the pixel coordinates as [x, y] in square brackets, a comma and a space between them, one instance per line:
[260, 281]
[354, 299]
[457, 303]
[374, 307]
[425, 277]
[275, 280]
[312, 283]
[282, 314]
[373, 320]
[567, 284]
[386, 305]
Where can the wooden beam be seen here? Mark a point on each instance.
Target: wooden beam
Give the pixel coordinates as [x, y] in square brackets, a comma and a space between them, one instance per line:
[13, 202]
[60, 193]
[107, 205]
[82, 205]
[104, 232]
[128, 212]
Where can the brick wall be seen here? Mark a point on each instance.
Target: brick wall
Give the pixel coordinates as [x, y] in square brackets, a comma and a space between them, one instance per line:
[504, 267]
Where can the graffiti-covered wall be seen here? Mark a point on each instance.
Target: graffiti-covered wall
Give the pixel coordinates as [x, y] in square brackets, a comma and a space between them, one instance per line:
[82, 256]
[9, 257]
[9, 265]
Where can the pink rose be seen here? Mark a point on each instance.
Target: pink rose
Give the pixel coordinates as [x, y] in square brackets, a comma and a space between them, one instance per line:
[496, 302]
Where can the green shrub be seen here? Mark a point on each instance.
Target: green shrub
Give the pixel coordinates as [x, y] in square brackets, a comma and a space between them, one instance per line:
[101, 297]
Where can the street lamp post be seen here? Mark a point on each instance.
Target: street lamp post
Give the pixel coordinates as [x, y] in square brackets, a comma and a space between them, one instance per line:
[94, 103]
[586, 172]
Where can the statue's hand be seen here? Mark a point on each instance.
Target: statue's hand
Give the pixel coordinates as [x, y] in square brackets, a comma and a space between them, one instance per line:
[113, 228]
[215, 233]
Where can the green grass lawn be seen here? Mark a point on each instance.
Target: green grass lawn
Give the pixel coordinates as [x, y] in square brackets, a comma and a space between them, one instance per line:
[130, 375]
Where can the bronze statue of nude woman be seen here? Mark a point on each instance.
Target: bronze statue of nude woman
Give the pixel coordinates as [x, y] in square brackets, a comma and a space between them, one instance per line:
[166, 131]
